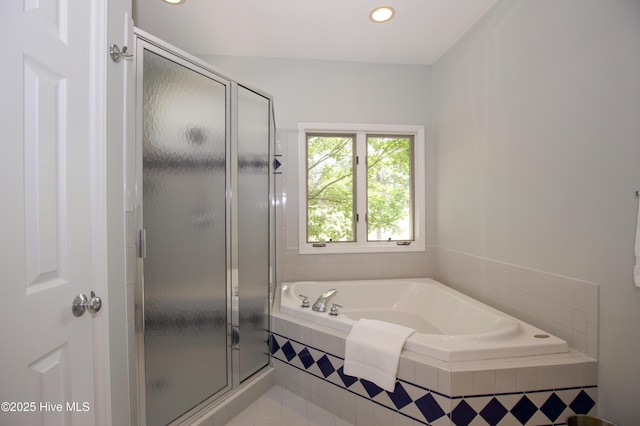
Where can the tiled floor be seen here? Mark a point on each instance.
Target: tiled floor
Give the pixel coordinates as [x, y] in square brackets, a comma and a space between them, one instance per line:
[279, 407]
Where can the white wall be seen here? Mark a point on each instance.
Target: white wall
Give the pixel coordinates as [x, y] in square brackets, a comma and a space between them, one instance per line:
[537, 123]
[338, 92]
[120, 301]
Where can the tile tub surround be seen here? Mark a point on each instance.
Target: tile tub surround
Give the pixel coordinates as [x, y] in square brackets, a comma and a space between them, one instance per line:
[565, 307]
[535, 390]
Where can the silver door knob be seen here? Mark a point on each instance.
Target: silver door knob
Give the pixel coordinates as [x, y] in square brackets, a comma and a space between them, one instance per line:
[82, 303]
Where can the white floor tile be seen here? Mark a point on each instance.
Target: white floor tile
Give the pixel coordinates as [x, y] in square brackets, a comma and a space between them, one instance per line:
[295, 421]
[268, 422]
[314, 411]
[294, 408]
[240, 422]
[280, 407]
[322, 421]
[287, 395]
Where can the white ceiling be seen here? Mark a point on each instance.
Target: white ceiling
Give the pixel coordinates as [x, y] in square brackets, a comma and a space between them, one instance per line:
[420, 32]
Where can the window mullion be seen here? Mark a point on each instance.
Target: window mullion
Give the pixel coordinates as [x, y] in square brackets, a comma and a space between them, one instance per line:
[361, 188]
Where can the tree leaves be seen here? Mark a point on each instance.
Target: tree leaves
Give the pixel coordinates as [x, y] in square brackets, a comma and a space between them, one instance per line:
[330, 196]
[330, 187]
[389, 188]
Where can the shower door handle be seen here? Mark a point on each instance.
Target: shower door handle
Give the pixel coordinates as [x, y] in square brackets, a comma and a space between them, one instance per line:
[142, 243]
[235, 337]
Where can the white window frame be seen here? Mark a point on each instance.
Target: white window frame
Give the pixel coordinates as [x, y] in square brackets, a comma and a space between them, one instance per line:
[361, 245]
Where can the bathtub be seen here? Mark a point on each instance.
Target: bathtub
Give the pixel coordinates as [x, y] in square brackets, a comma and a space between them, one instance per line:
[449, 325]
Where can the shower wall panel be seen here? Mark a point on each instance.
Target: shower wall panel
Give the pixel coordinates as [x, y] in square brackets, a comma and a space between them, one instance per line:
[253, 229]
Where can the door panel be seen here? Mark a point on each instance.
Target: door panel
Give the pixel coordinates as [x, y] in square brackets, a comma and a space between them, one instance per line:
[184, 213]
[48, 229]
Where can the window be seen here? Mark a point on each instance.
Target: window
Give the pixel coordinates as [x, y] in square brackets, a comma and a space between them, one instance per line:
[362, 188]
[331, 205]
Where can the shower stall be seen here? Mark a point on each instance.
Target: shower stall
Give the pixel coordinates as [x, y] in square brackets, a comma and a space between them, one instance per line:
[205, 239]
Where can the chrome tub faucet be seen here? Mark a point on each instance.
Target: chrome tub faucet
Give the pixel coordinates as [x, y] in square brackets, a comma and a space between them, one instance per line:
[323, 301]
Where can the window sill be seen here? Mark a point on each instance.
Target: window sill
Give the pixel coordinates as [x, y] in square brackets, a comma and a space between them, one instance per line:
[354, 248]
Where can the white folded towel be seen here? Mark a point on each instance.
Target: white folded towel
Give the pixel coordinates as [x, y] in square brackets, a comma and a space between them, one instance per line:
[373, 349]
[636, 268]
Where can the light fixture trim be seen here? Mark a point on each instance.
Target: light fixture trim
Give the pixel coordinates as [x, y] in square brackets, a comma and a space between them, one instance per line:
[175, 2]
[382, 14]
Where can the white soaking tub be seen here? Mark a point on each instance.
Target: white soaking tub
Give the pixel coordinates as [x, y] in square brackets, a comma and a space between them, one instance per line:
[449, 325]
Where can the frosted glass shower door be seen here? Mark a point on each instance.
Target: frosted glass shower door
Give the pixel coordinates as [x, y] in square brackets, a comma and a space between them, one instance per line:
[184, 153]
[253, 134]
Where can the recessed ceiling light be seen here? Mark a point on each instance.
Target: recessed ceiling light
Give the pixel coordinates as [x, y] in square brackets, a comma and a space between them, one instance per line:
[173, 1]
[382, 14]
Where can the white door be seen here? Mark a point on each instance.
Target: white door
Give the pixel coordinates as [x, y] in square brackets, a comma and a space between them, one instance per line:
[51, 248]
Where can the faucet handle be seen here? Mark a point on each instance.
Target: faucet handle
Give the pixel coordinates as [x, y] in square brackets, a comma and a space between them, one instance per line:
[305, 301]
[334, 309]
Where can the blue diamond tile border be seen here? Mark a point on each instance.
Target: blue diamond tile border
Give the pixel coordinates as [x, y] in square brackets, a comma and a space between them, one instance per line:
[325, 366]
[463, 414]
[493, 412]
[372, 389]
[582, 404]
[524, 410]
[399, 396]
[429, 407]
[273, 345]
[306, 358]
[346, 380]
[553, 407]
[288, 351]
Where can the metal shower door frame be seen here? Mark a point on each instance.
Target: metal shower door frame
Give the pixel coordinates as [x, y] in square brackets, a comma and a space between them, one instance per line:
[145, 41]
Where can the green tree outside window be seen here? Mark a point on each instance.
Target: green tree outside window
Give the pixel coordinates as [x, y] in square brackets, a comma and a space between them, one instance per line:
[331, 198]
